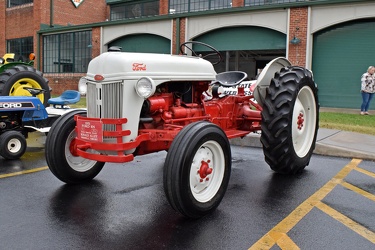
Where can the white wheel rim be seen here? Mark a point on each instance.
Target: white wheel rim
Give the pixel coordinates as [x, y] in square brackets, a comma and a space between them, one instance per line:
[304, 121]
[14, 145]
[207, 171]
[77, 163]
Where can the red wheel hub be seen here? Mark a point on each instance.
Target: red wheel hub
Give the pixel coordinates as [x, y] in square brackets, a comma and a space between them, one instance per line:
[204, 170]
[300, 121]
[73, 147]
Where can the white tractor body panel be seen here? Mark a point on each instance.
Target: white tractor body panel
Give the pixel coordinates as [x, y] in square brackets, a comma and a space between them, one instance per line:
[125, 65]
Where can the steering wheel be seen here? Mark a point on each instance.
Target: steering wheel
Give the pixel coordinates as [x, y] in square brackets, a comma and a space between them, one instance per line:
[214, 51]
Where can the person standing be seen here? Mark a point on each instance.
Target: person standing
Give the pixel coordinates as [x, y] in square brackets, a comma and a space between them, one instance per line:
[367, 89]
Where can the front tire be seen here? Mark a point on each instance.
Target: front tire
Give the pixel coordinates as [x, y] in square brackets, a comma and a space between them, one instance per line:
[290, 119]
[12, 145]
[13, 80]
[62, 163]
[197, 169]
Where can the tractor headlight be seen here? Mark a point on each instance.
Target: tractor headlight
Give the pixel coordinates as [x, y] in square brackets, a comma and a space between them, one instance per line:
[2, 60]
[82, 86]
[145, 87]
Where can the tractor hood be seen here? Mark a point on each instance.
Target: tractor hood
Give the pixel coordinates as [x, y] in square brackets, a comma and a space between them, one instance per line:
[124, 65]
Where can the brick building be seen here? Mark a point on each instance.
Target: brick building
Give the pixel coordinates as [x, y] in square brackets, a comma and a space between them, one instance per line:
[21, 20]
[24, 18]
[332, 37]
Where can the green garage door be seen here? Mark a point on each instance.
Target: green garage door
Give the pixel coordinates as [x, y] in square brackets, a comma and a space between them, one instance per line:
[244, 48]
[244, 38]
[341, 54]
[143, 43]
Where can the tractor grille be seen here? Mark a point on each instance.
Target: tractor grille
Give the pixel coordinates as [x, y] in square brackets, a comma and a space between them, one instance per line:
[104, 100]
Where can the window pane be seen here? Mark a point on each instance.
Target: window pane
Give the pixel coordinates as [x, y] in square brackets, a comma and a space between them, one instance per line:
[151, 8]
[177, 6]
[82, 51]
[12, 3]
[117, 13]
[21, 47]
[67, 53]
[50, 51]
[266, 2]
[134, 10]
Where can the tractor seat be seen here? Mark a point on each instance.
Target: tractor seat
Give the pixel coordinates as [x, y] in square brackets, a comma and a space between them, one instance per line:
[9, 57]
[66, 98]
[230, 78]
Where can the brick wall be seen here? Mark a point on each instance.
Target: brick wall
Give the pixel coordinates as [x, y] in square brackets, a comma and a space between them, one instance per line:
[95, 50]
[16, 22]
[59, 83]
[238, 3]
[182, 34]
[182, 31]
[298, 28]
[174, 36]
[164, 7]
[89, 11]
[2, 27]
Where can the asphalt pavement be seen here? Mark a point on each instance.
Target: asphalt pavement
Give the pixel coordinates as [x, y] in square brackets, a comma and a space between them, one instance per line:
[330, 142]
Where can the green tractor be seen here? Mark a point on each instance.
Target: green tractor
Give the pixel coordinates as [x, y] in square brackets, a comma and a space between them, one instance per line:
[17, 76]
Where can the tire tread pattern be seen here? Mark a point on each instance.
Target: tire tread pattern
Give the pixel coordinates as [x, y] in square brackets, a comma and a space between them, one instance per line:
[6, 79]
[175, 174]
[276, 126]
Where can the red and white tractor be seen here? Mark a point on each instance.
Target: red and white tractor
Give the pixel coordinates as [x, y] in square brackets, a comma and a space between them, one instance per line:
[140, 103]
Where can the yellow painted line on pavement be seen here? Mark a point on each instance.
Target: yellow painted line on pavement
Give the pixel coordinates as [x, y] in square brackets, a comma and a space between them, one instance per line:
[363, 171]
[362, 192]
[287, 243]
[276, 235]
[351, 224]
[23, 172]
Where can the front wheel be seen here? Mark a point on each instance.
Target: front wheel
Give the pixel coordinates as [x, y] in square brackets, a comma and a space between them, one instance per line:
[290, 119]
[12, 145]
[66, 166]
[197, 169]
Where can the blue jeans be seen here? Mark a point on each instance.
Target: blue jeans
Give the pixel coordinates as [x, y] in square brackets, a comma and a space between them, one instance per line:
[366, 98]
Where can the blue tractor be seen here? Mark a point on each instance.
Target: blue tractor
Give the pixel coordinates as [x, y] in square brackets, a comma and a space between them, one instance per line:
[20, 115]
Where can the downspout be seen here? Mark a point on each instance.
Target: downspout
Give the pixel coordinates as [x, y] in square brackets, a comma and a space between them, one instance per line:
[37, 66]
[309, 41]
[177, 35]
[51, 14]
[287, 35]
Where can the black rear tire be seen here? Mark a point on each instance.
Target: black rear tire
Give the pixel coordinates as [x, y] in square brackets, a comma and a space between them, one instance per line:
[290, 120]
[13, 80]
[62, 163]
[12, 145]
[197, 169]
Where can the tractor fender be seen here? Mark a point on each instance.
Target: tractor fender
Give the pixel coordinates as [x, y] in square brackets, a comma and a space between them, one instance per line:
[264, 79]
[53, 114]
[42, 130]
